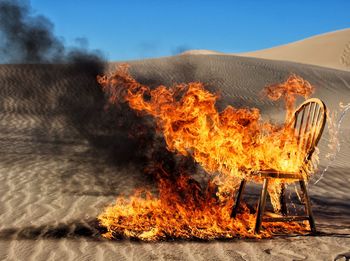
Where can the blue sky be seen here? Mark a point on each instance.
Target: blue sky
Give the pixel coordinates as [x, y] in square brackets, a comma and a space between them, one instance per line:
[130, 29]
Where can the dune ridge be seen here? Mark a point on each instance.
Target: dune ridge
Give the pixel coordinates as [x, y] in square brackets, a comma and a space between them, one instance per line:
[327, 50]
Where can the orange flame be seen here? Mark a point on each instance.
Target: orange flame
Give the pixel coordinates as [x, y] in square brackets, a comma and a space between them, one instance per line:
[294, 85]
[181, 211]
[229, 145]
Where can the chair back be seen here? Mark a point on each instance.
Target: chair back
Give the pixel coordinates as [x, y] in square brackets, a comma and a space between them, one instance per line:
[309, 121]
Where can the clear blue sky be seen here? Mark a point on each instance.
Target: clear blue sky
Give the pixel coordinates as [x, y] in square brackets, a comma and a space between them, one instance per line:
[132, 29]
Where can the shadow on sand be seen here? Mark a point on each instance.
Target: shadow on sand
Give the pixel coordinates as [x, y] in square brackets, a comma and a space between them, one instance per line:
[331, 222]
[88, 229]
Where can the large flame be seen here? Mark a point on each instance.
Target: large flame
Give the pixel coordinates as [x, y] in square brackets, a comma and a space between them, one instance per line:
[230, 145]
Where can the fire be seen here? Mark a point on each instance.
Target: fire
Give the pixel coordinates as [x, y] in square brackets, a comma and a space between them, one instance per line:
[230, 145]
[293, 86]
[181, 211]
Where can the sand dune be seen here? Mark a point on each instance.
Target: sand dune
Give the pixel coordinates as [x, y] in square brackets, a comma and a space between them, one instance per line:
[328, 50]
[64, 158]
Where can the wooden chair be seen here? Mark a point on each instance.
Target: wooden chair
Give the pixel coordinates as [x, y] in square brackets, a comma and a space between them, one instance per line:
[308, 121]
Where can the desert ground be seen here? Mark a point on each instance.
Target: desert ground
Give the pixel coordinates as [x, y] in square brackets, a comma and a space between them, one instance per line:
[64, 158]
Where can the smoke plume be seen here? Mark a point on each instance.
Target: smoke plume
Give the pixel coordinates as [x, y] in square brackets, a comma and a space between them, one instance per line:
[61, 82]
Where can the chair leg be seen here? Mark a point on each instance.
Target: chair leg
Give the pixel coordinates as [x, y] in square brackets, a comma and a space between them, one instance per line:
[283, 200]
[308, 206]
[261, 207]
[238, 199]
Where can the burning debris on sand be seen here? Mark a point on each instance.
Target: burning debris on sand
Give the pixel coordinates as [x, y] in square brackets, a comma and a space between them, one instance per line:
[229, 145]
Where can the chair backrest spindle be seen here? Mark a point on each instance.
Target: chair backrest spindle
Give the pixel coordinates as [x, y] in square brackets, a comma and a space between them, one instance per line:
[309, 122]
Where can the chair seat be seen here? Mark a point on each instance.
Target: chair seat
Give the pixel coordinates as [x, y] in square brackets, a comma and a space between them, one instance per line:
[279, 175]
[308, 123]
[275, 217]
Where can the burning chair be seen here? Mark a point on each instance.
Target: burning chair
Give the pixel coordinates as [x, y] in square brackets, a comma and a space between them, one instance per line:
[308, 122]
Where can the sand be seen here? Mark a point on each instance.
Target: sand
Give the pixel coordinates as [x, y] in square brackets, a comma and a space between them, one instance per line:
[63, 159]
[334, 48]
[330, 50]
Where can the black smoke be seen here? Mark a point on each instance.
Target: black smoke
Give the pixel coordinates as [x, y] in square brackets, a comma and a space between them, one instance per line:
[55, 81]
[61, 81]
[25, 37]
[180, 49]
[29, 39]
